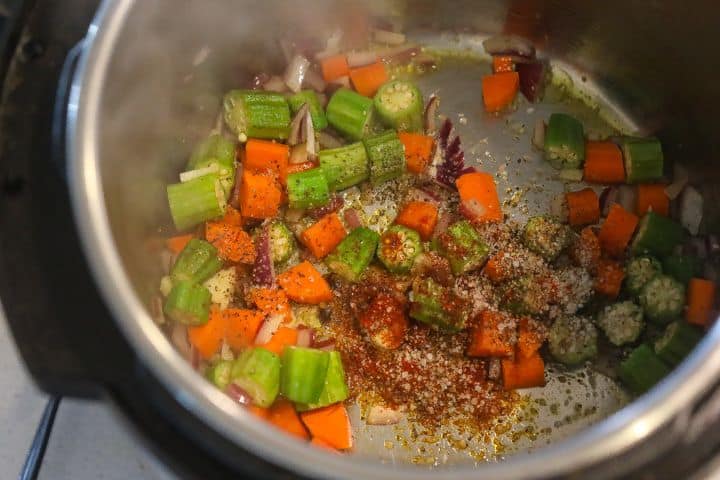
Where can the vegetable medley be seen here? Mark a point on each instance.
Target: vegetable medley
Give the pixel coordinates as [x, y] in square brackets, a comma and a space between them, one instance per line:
[292, 302]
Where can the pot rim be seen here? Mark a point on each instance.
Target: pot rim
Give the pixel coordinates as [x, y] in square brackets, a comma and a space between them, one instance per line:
[616, 434]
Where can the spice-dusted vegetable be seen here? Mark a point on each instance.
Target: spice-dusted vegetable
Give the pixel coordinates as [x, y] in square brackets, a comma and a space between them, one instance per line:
[493, 336]
[263, 155]
[437, 306]
[283, 415]
[256, 114]
[350, 114]
[585, 250]
[398, 248]
[564, 142]
[523, 372]
[463, 247]
[499, 90]
[232, 242]
[309, 98]
[657, 235]
[220, 373]
[188, 303]
[478, 197]
[384, 322]
[308, 189]
[643, 159]
[609, 278]
[322, 237]
[260, 195]
[545, 236]
[367, 79]
[303, 373]
[617, 230]
[241, 326]
[304, 284]
[196, 200]
[386, 156]
[642, 369]
[345, 166]
[218, 154]
[700, 300]
[662, 299]
[621, 322]
[641, 270]
[682, 267]
[334, 389]
[331, 425]
[583, 207]
[572, 340]
[418, 151]
[282, 242]
[677, 342]
[419, 216]
[282, 337]
[527, 295]
[603, 163]
[257, 372]
[399, 104]
[652, 197]
[353, 255]
[196, 263]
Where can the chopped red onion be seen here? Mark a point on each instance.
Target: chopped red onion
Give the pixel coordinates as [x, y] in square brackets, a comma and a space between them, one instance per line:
[538, 138]
[361, 58]
[298, 154]
[275, 84]
[626, 197]
[238, 394]
[444, 221]
[338, 83]
[327, 344]
[509, 45]
[179, 338]
[314, 80]
[310, 136]
[608, 197]
[680, 180]
[336, 203]
[305, 336]
[387, 37]
[259, 80]
[532, 79]
[422, 195]
[352, 219]
[268, 328]
[263, 270]
[431, 115]
[295, 72]
[296, 126]
[381, 415]
[691, 209]
[328, 140]
[453, 156]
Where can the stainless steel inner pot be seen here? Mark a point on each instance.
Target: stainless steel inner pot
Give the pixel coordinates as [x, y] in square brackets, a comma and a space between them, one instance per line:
[149, 85]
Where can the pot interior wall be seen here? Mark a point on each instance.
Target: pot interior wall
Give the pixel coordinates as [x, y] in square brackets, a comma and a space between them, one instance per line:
[174, 60]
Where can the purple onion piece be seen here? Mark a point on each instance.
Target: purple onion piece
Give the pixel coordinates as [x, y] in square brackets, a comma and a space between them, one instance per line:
[268, 328]
[453, 157]
[238, 394]
[336, 203]
[608, 196]
[259, 80]
[296, 126]
[263, 271]
[352, 218]
[305, 337]
[295, 72]
[444, 134]
[430, 116]
[275, 84]
[532, 79]
[327, 344]
[314, 80]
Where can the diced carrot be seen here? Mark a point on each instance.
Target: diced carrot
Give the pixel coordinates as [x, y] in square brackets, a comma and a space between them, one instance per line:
[334, 67]
[261, 412]
[283, 337]
[233, 243]
[583, 207]
[300, 167]
[232, 216]
[177, 244]
[492, 337]
[323, 236]
[207, 338]
[503, 63]
[304, 284]
[617, 230]
[478, 197]
[529, 337]
[609, 278]
[265, 155]
[368, 79]
[419, 216]
[523, 372]
[319, 442]
[603, 163]
[700, 299]
[331, 424]
[242, 326]
[259, 195]
[585, 250]
[652, 196]
[499, 90]
[271, 301]
[418, 150]
[495, 269]
[283, 415]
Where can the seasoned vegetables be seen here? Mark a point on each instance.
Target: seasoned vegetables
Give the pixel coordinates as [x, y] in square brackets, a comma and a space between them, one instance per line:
[437, 306]
[345, 166]
[255, 114]
[545, 236]
[386, 155]
[257, 372]
[308, 189]
[621, 322]
[188, 303]
[398, 248]
[642, 369]
[282, 242]
[399, 105]
[639, 271]
[351, 114]
[353, 255]
[677, 342]
[196, 201]
[197, 262]
[657, 235]
[662, 299]
[309, 98]
[643, 159]
[303, 374]
[564, 142]
[463, 247]
[572, 340]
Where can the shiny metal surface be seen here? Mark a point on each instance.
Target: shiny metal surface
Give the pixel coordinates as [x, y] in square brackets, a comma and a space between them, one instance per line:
[149, 85]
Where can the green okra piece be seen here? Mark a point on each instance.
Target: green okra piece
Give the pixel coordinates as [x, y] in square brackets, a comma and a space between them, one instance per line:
[352, 256]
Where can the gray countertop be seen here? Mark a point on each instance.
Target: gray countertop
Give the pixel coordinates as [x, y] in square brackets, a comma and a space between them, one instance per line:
[88, 441]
